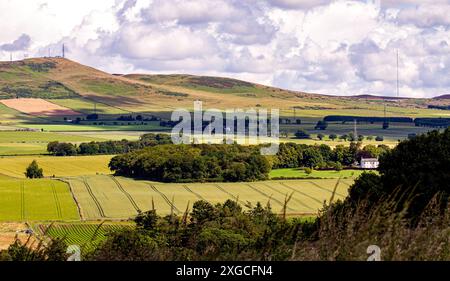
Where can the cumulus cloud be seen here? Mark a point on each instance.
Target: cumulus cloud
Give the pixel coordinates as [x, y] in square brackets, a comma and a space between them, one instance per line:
[161, 43]
[297, 4]
[426, 15]
[20, 44]
[340, 47]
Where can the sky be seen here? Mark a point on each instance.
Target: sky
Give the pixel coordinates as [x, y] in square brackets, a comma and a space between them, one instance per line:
[326, 47]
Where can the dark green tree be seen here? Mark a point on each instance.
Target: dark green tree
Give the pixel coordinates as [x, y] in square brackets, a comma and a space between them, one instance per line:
[33, 171]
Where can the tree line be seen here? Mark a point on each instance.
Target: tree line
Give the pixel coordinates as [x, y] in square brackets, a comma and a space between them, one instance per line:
[107, 147]
[291, 155]
[193, 163]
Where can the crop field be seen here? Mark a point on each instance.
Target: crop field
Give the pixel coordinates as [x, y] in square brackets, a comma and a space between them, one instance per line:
[38, 107]
[87, 107]
[109, 135]
[44, 137]
[395, 132]
[9, 149]
[300, 173]
[56, 166]
[28, 200]
[89, 128]
[9, 231]
[31, 143]
[107, 197]
[85, 235]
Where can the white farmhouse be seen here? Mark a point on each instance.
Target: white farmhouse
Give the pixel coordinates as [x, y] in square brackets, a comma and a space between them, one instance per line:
[369, 163]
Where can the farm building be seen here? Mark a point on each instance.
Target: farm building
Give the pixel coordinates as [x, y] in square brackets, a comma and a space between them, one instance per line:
[369, 163]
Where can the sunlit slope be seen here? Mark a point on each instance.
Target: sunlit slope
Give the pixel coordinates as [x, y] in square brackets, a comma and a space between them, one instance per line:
[79, 87]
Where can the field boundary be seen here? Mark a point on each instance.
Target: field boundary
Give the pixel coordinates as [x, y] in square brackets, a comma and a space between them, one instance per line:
[171, 205]
[128, 195]
[97, 203]
[80, 212]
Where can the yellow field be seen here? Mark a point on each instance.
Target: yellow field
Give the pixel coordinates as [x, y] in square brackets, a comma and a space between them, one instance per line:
[56, 166]
[107, 197]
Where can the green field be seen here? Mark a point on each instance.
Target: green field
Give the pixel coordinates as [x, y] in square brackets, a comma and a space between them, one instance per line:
[87, 107]
[107, 197]
[28, 200]
[56, 166]
[8, 149]
[151, 126]
[110, 135]
[30, 143]
[85, 235]
[300, 173]
[43, 137]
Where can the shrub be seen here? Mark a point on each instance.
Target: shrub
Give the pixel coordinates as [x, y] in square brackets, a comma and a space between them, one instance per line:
[308, 171]
[33, 171]
[302, 134]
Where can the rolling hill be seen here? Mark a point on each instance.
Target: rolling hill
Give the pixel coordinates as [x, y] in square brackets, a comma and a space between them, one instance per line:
[78, 87]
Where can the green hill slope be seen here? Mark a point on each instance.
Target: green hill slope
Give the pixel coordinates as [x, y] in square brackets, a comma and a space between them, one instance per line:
[79, 87]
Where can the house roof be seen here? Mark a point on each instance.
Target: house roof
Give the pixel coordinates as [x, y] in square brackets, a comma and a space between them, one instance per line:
[369, 159]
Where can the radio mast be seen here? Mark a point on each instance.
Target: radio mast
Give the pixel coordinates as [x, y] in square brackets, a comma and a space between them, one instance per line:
[398, 90]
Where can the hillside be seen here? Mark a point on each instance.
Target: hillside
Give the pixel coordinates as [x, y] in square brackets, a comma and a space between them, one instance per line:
[78, 87]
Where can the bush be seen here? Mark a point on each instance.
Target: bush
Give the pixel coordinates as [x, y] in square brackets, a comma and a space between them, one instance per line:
[308, 171]
[302, 134]
[333, 137]
[320, 136]
[338, 166]
[379, 138]
[33, 171]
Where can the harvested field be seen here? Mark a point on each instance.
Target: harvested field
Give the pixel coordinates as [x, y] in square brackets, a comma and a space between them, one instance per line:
[38, 107]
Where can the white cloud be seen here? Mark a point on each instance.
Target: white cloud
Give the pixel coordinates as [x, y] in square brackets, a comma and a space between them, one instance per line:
[338, 47]
[161, 43]
[426, 15]
[297, 4]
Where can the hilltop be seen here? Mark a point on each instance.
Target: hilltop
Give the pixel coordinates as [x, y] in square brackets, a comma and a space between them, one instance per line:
[78, 87]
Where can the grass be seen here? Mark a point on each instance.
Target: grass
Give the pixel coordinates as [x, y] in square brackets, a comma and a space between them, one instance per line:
[33, 143]
[80, 128]
[42, 199]
[57, 166]
[41, 137]
[110, 135]
[300, 173]
[395, 132]
[105, 197]
[11, 149]
[87, 106]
